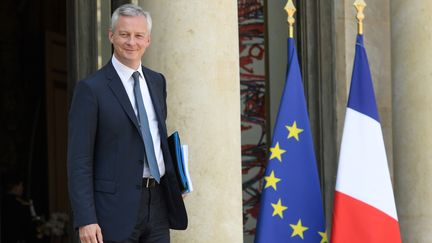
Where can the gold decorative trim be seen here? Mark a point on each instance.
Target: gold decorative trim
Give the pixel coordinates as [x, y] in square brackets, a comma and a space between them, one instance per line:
[360, 5]
[290, 9]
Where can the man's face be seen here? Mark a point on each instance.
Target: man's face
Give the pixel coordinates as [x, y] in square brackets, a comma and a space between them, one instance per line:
[130, 39]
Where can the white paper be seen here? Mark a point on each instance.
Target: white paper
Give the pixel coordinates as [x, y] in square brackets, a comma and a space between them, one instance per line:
[185, 152]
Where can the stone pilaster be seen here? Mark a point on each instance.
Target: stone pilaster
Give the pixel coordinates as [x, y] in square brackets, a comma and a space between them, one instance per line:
[412, 116]
[195, 45]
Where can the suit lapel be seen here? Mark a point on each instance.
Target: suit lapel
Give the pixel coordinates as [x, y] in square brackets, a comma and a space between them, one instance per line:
[153, 88]
[119, 91]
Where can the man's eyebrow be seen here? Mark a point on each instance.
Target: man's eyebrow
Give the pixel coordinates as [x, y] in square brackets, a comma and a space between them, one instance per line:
[126, 31]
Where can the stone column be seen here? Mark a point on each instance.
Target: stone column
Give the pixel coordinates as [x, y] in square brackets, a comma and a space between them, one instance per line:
[195, 45]
[412, 116]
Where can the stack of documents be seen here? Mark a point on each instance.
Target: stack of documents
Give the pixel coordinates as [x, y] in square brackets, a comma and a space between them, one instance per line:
[179, 154]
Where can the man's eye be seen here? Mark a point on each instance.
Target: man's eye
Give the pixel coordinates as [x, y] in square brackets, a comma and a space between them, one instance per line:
[124, 35]
[140, 36]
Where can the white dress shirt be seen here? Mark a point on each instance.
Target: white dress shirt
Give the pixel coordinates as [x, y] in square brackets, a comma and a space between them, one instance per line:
[125, 74]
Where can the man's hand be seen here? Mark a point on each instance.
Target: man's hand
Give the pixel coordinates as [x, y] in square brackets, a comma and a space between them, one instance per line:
[90, 234]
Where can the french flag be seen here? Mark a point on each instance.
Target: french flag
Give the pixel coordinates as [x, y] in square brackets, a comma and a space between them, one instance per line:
[364, 208]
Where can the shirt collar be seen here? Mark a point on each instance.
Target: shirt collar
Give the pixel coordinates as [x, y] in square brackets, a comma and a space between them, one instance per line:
[124, 72]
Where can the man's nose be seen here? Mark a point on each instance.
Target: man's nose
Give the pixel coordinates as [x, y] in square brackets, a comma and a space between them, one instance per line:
[131, 40]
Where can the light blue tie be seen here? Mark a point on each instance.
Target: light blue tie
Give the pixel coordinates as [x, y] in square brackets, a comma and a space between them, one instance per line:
[145, 129]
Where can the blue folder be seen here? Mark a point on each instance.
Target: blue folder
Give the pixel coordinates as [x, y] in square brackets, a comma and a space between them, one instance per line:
[177, 156]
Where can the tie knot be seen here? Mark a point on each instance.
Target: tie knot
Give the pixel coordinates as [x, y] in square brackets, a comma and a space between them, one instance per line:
[135, 76]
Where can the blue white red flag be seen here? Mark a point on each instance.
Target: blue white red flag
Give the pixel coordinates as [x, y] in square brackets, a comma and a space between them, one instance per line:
[364, 207]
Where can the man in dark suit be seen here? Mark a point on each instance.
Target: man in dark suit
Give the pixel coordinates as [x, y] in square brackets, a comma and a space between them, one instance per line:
[122, 181]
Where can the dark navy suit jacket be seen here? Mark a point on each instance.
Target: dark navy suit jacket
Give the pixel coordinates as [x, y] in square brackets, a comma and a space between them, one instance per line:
[106, 152]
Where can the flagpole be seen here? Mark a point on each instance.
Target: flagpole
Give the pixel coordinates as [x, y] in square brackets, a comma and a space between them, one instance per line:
[290, 9]
[360, 6]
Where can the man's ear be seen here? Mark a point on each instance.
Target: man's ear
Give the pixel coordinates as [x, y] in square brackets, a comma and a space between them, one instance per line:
[110, 35]
[149, 40]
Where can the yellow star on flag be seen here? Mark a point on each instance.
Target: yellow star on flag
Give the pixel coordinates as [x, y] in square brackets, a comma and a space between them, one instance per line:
[298, 229]
[323, 237]
[276, 152]
[271, 180]
[294, 131]
[278, 208]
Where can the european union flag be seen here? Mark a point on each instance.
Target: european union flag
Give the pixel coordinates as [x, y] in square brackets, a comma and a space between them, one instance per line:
[291, 204]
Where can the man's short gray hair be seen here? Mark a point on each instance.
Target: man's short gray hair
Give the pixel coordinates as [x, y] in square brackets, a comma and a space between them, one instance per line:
[130, 10]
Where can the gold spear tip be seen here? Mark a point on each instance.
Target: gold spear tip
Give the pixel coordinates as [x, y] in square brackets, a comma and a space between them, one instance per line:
[360, 5]
[290, 9]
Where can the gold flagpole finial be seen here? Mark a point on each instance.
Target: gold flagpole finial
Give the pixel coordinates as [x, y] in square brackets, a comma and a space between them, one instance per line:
[360, 6]
[290, 9]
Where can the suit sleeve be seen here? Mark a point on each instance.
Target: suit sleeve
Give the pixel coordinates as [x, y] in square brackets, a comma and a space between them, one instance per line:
[82, 132]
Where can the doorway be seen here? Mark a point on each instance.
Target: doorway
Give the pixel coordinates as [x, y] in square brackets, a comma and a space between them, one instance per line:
[33, 111]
